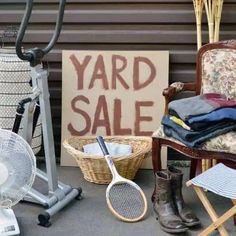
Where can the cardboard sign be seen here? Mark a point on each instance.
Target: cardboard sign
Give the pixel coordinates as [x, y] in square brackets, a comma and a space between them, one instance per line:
[112, 93]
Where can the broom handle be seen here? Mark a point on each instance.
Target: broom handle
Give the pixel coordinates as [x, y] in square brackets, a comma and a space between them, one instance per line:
[199, 35]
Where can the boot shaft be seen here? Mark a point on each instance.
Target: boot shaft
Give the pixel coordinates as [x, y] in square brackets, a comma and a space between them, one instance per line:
[163, 192]
[176, 181]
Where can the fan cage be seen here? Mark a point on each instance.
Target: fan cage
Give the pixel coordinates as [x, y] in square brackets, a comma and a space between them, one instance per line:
[19, 157]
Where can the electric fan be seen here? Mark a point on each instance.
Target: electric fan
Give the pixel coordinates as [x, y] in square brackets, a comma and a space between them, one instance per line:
[17, 173]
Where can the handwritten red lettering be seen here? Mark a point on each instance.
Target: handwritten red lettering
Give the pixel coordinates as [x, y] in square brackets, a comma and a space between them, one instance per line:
[99, 73]
[116, 71]
[136, 73]
[117, 120]
[82, 113]
[99, 122]
[80, 69]
[139, 118]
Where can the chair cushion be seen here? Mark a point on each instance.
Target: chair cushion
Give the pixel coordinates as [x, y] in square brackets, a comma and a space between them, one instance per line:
[223, 143]
[219, 72]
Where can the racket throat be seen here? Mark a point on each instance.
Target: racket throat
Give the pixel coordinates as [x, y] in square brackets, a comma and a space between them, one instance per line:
[111, 166]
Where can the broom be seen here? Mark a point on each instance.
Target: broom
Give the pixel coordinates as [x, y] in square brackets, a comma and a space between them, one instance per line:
[218, 13]
[198, 8]
[210, 12]
[213, 11]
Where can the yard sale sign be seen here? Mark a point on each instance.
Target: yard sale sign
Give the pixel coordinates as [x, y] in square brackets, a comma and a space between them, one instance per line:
[112, 93]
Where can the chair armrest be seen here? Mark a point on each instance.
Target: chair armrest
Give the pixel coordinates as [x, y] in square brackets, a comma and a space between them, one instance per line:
[174, 89]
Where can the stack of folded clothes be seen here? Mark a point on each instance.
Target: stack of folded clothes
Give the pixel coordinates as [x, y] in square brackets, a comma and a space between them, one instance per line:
[197, 119]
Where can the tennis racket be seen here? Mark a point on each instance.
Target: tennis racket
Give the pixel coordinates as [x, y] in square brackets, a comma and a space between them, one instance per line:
[125, 199]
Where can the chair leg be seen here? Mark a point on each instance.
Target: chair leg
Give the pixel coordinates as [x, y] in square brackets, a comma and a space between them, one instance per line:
[156, 155]
[234, 202]
[196, 168]
[193, 168]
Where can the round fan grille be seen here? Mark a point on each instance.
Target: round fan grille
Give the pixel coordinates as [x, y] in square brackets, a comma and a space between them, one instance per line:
[17, 168]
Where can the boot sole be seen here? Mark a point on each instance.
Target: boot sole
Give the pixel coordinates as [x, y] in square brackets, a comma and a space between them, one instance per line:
[167, 230]
[192, 224]
[173, 231]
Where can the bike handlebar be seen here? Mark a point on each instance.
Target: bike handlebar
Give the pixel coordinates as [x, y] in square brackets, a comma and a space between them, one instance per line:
[36, 54]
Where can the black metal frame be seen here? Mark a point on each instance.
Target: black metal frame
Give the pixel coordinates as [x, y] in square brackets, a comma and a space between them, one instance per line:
[35, 55]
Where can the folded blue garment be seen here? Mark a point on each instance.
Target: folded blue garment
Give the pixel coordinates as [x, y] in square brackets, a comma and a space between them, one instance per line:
[213, 118]
[195, 138]
[114, 149]
[199, 126]
[198, 105]
[217, 115]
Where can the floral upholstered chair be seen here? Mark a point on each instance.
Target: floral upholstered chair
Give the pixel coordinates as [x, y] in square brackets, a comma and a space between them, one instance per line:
[216, 72]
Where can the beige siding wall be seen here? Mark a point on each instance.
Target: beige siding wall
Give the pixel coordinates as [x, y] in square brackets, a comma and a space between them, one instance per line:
[119, 25]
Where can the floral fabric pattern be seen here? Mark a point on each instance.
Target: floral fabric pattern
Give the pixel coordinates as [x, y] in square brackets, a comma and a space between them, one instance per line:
[219, 72]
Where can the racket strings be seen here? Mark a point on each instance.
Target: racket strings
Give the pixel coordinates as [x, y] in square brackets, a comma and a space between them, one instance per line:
[126, 200]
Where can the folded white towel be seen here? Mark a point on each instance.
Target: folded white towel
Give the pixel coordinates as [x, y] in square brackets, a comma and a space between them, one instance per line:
[114, 149]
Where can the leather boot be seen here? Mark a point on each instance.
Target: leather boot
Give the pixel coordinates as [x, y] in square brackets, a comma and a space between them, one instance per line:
[164, 207]
[185, 213]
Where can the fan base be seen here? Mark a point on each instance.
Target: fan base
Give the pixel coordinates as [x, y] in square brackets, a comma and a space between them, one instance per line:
[8, 223]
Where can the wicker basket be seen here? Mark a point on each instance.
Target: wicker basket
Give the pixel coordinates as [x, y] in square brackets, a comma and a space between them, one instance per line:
[95, 168]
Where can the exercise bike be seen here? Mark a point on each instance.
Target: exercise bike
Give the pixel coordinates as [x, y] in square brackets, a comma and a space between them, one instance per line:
[59, 194]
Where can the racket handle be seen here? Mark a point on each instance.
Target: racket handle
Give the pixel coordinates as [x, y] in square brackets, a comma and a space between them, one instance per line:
[102, 145]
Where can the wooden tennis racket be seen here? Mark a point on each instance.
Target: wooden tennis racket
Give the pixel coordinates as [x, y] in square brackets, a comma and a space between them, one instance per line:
[125, 199]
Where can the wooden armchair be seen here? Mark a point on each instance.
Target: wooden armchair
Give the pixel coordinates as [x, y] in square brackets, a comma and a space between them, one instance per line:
[216, 72]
